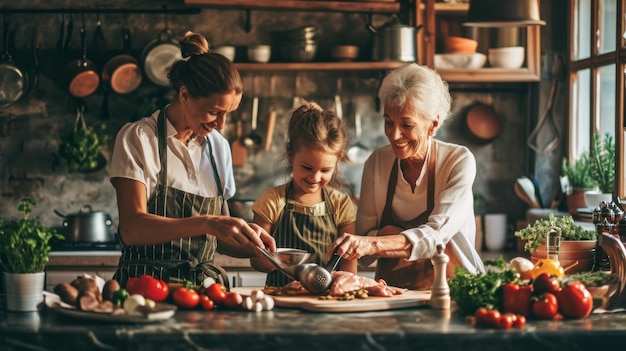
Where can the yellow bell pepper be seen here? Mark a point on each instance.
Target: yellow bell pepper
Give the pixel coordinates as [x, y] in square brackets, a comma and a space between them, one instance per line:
[549, 266]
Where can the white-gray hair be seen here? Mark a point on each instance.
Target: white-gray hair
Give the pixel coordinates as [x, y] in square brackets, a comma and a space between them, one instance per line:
[419, 88]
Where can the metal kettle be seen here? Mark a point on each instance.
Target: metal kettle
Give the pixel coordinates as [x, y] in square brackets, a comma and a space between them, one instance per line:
[395, 41]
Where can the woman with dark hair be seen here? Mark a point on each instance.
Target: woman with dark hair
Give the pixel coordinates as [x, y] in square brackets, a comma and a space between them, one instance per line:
[172, 172]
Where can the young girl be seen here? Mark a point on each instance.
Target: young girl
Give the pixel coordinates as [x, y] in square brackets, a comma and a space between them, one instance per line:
[306, 213]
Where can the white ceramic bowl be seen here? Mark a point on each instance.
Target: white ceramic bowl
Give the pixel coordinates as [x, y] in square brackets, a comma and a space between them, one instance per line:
[226, 50]
[593, 198]
[511, 57]
[259, 53]
[460, 61]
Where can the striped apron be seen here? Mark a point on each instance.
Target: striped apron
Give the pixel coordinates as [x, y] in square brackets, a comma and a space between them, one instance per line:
[190, 258]
[310, 228]
[419, 274]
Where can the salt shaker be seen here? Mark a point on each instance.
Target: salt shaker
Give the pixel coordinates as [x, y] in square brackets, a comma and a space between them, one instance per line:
[440, 292]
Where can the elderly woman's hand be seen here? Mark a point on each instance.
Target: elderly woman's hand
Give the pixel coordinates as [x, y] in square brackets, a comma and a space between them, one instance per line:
[350, 246]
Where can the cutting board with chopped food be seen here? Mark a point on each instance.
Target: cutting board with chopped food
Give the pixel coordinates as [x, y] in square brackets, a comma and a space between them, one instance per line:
[410, 298]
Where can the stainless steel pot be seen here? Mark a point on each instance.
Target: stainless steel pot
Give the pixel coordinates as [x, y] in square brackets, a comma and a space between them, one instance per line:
[395, 41]
[87, 225]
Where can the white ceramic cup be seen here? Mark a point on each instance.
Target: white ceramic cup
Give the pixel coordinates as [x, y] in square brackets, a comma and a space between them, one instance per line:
[259, 53]
[226, 50]
[495, 231]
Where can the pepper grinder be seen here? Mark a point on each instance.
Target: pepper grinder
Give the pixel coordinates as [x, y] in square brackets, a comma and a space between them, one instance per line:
[440, 291]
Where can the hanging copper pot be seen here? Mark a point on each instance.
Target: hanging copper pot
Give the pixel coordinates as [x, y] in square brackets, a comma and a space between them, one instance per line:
[122, 72]
[82, 73]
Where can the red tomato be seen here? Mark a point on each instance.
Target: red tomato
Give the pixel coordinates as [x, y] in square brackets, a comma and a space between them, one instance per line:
[206, 303]
[506, 320]
[546, 283]
[186, 298]
[487, 317]
[217, 293]
[149, 287]
[520, 322]
[131, 285]
[545, 306]
[575, 301]
[233, 300]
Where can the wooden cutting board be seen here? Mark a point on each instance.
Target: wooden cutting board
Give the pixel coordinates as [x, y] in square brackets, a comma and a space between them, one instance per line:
[411, 298]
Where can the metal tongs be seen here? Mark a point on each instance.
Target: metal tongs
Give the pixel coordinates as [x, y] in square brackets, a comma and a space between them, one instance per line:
[316, 279]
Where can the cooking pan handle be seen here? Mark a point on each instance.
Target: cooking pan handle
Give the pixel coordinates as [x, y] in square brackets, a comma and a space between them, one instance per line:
[59, 213]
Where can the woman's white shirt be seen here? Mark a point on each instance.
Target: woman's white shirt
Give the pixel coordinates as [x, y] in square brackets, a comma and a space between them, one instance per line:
[136, 156]
[452, 218]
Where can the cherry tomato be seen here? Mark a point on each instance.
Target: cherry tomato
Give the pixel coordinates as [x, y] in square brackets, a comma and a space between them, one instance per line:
[546, 283]
[233, 299]
[487, 317]
[520, 322]
[506, 320]
[217, 293]
[574, 300]
[206, 303]
[186, 298]
[545, 306]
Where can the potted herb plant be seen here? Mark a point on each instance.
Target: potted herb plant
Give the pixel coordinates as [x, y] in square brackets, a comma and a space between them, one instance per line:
[24, 252]
[576, 245]
[602, 166]
[580, 181]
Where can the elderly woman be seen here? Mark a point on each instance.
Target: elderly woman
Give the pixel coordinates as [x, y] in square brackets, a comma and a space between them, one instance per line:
[416, 192]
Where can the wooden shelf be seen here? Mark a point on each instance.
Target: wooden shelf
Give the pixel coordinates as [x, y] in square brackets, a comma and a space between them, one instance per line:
[379, 6]
[488, 75]
[319, 66]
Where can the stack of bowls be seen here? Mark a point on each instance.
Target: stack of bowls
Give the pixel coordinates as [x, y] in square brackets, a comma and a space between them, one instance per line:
[298, 45]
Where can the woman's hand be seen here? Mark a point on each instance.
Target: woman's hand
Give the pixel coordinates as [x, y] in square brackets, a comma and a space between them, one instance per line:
[351, 247]
[237, 234]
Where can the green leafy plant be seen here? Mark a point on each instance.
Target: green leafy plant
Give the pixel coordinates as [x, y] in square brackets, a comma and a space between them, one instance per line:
[579, 172]
[82, 147]
[602, 162]
[25, 243]
[471, 291]
[535, 234]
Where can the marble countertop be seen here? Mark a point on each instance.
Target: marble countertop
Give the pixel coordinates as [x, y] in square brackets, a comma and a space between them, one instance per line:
[419, 328]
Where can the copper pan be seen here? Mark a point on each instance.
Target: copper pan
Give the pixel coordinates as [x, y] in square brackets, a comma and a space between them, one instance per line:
[82, 75]
[482, 124]
[122, 72]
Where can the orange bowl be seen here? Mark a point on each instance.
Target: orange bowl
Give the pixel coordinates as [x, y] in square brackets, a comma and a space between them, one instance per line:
[460, 45]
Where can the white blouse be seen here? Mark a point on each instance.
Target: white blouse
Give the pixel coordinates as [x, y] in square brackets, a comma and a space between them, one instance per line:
[136, 156]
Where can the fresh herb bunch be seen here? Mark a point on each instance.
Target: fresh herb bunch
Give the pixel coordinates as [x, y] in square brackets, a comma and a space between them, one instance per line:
[602, 162]
[594, 279]
[472, 291]
[82, 147]
[24, 243]
[535, 234]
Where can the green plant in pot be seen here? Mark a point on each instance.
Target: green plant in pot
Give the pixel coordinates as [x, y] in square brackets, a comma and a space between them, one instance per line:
[579, 179]
[602, 162]
[82, 147]
[577, 244]
[24, 252]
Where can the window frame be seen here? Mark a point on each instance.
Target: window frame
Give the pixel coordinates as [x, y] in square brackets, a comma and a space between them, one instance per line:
[594, 62]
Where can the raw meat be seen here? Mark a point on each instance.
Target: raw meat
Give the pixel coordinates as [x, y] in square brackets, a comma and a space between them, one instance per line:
[344, 282]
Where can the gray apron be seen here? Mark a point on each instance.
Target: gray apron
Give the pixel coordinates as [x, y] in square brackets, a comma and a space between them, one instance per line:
[418, 274]
[185, 258]
[301, 227]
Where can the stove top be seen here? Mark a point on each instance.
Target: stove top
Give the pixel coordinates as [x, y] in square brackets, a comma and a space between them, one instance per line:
[85, 246]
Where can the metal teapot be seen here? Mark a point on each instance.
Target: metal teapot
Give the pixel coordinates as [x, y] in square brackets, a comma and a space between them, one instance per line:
[395, 41]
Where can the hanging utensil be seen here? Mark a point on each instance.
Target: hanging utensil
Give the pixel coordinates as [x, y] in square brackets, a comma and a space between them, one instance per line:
[253, 139]
[548, 117]
[14, 81]
[338, 105]
[238, 150]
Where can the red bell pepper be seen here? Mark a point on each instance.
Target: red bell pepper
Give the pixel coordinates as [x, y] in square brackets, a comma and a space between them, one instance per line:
[516, 298]
[149, 287]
